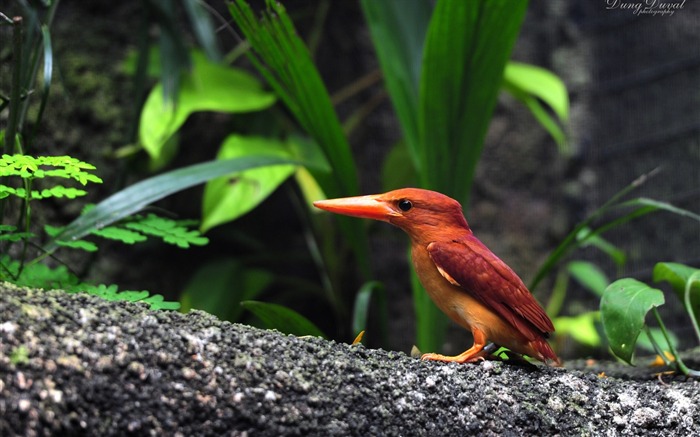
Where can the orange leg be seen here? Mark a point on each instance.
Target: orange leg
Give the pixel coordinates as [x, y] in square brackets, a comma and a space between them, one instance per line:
[474, 353]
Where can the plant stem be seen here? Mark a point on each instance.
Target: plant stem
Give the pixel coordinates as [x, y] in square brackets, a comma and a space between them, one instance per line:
[695, 277]
[11, 132]
[680, 366]
[659, 351]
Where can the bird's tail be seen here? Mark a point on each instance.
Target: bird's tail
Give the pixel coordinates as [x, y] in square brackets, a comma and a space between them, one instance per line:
[545, 352]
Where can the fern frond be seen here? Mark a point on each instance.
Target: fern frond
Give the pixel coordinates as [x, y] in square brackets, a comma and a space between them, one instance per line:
[120, 234]
[169, 230]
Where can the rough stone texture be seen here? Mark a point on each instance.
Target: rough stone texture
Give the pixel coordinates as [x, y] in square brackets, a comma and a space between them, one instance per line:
[94, 367]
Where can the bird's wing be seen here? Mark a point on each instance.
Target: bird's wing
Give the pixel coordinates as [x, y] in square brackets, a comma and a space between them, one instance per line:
[470, 265]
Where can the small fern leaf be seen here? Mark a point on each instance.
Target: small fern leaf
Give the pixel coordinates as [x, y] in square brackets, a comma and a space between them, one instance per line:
[61, 191]
[120, 234]
[169, 230]
[73, 244]
[158, 302]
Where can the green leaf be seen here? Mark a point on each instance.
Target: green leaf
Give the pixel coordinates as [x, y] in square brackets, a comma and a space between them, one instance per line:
[36, 275]
[120, 234]
[283, 59]
[466, 50]
[587, 238]
[9, 233]
[229, 197]
[677, 275]
[363, 299]
[581, 328]
[209, 87]
[589, 275]
[398, 33]
[623, 308]
[530, 85]
[540, 83]
[651, 205]
[134, 198]
[282, 319]
[87, 246]
[685, 281]
[157, 302]
[203, 27]
[219, 287]
[112, 293]
[169, 230]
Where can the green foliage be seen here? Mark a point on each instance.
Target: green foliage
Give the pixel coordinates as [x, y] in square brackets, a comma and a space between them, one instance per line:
[136, 197]
[282, 319]
[207, 87]
[443, 70]
[169, 230]
[38, 275]
[29, 168]
[623, 309]
[219, 287]
[227, 198]
[626, 303]
[530, 85]
[589, 275]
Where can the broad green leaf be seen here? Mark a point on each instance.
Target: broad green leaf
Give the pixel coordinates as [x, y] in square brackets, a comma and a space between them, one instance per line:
[685, 281]
[209, 87]
[581, 328]
[398, 33]
[466, 50]
[540, 83]
[282, 319]
[589, 275]
[219, 287]
[134, 198]
[231, 196]
[675, 274]
[623, 308]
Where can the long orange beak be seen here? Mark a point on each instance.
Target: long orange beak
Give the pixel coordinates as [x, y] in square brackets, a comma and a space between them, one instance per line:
[371, 207]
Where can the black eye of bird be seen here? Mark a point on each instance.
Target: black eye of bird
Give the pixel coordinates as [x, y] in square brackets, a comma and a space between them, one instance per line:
[405, 205]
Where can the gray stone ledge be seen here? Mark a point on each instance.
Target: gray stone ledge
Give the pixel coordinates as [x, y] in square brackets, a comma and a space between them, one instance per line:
[103, 368]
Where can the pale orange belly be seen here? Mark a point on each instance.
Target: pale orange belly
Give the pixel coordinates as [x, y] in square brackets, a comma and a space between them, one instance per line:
[464, 309]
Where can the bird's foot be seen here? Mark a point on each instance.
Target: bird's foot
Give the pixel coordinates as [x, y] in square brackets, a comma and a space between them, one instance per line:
[470, 357]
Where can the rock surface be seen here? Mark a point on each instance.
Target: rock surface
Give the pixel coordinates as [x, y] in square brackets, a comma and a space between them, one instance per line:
[79, 365]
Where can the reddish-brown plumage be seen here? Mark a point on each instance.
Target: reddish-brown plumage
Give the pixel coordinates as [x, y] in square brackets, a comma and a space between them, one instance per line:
[461, 275]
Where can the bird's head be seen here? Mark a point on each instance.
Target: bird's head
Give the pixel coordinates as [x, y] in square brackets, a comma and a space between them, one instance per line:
[420, 213]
